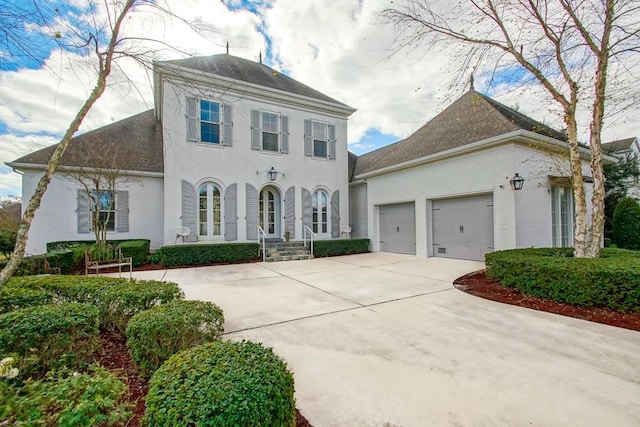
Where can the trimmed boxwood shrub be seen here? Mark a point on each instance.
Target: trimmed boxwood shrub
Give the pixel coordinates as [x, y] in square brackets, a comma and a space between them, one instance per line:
[50, 336]
[208, 254]
[222, 384]
[117, 299]
[155, 335]
[66, 399]
[340, 247]
[138, 250]
[626, 224]
[611, 281]
[28, 266]
[63, 259]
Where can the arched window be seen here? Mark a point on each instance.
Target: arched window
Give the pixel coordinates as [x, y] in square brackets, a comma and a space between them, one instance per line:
[319, 212]
[210, 211]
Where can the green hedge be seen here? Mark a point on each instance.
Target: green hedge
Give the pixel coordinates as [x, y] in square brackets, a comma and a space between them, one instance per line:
[340, 247]
[29, 266]
[117, 299]
[204, 254]
[137, 249]
[50, 336]
[611, 281]
[63, 259]
[626, 224]
[155, 335]
[222, 384]
[66, 399]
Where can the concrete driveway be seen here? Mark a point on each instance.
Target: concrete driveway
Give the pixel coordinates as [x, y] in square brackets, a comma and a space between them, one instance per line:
[386, 340]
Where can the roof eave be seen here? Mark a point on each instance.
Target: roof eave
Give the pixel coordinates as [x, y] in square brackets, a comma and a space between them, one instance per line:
[479, 145]
[251, 89]
[37, 166]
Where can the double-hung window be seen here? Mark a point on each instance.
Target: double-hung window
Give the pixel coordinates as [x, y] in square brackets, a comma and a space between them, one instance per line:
[104, 210]
[319, 139]
[269, 132]
[208, 122]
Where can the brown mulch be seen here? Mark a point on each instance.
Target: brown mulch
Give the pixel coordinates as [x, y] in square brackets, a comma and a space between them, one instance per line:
[115, 356]
[480, 285]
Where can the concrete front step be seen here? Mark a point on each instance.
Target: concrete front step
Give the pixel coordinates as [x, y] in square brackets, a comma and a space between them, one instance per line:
[288, 258]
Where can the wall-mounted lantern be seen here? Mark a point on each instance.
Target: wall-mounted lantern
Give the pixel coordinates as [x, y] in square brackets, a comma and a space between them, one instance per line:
[517, 182]
[273, 173]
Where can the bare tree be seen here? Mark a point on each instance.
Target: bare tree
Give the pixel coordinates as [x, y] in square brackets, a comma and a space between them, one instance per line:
[577, 50]
[99, 34]
[101, 174]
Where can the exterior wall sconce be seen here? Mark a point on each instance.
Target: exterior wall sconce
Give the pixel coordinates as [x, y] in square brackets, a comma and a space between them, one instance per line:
[273, 173]
[516, 182]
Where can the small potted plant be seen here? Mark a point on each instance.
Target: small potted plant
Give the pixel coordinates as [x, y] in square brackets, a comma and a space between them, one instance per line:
[287, 236]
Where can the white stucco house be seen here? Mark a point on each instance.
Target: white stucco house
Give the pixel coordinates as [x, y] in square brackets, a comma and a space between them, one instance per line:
[230, 145]
[447, 189]
[233, 145]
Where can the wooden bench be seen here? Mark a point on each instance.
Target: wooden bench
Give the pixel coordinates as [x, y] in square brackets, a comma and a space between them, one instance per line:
[96, 259]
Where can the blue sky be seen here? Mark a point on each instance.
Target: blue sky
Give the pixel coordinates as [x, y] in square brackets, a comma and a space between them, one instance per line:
[338, 48]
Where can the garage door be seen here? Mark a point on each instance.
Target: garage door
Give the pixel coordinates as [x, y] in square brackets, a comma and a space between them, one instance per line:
[398, 228]
[463, 227]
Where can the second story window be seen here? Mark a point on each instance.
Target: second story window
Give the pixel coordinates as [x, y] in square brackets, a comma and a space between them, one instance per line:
[319, 139]
[208, 122]
[269, 132]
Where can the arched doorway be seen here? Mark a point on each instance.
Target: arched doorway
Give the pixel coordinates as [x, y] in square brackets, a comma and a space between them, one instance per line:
[270, 212]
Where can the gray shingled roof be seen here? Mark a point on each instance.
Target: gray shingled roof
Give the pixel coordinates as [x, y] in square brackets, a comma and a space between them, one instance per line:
[252, 72]
[472, 117]
[618, 145]
[133, 144]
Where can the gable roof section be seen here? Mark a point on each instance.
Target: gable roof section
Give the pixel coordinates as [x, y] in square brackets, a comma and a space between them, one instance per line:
[472, 117]
[618, 145]
[257, 73]
[133, 144]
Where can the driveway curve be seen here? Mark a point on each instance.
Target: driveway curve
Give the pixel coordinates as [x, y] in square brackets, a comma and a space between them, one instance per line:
[386, 340]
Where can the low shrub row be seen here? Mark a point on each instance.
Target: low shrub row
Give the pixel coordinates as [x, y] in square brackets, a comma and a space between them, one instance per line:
[176, 255]
[611, 281]
[116, 299]
[50, 336]
[63, 398]
[340, 247]
[155, 335]
[137, 249]
[222, 384]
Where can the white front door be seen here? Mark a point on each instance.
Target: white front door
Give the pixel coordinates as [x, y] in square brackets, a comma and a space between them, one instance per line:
[269, 215]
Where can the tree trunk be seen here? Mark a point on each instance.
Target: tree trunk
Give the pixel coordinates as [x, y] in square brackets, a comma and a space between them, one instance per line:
[34, 203]
[577, 184]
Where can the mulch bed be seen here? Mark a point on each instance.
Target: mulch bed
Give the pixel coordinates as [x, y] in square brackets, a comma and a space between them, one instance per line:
[480, 285]
[115, 356]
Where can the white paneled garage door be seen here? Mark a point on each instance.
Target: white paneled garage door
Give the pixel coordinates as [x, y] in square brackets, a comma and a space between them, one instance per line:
[463, 227]
[398, 228]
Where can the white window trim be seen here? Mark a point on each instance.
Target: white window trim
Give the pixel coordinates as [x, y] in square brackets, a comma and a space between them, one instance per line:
[313, 140]
[210, 237]
[278, 132]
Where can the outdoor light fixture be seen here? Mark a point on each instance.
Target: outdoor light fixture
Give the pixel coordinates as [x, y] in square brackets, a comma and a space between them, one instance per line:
[273, 174]
[517, 182]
